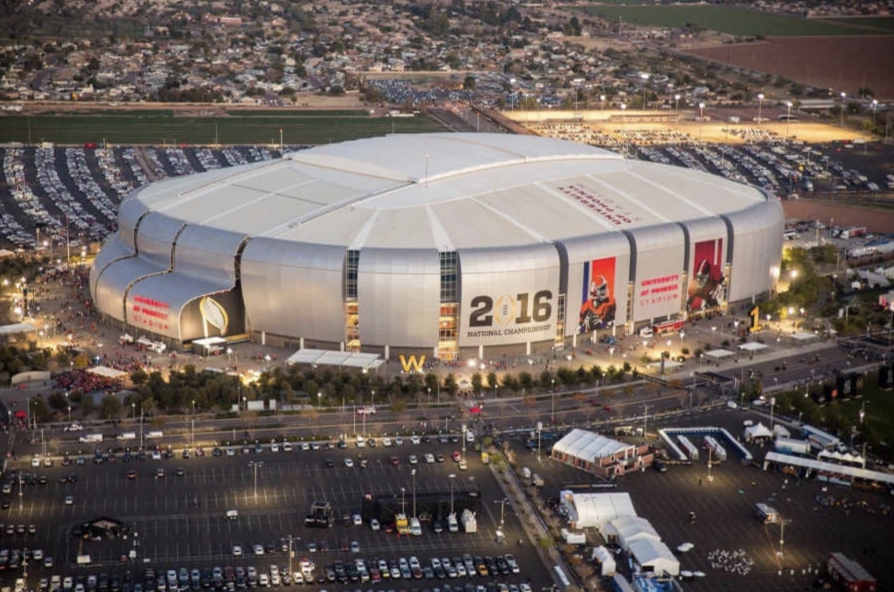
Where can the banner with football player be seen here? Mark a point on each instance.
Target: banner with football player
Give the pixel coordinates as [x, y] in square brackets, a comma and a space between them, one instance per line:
[707, 288]
[598, 305]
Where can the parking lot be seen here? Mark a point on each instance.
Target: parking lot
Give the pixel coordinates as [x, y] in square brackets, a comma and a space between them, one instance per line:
[181, 518]
[819, 518]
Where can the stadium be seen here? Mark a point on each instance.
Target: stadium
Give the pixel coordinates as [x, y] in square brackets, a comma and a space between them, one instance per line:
[444, 245]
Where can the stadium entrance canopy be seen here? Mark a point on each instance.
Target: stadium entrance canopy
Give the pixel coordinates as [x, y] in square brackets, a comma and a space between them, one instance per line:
[321, 357]
[802, 336]
[719, 353]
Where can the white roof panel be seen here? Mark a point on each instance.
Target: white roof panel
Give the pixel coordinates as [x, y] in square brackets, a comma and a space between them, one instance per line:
[455, 191]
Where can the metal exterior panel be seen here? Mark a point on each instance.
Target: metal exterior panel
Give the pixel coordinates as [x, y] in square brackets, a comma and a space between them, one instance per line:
[399, 296]
[757, 250]
[294, 289]
[591, 260]
[129, 214]
[657, 289]
[113, 250]
[155, 238]
[207, 253]
[508, 296]
[114, 282]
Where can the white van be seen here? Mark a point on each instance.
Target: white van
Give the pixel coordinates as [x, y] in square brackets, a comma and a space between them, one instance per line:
[127, 436]
[155, 434]
[415, 527]
[646, 332]
[90, 438]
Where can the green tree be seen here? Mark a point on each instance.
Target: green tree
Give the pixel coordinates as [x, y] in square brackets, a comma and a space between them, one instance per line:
[110, 407]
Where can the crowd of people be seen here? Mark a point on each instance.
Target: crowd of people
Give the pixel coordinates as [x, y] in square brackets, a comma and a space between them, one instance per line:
[737, 561]
[87, 382]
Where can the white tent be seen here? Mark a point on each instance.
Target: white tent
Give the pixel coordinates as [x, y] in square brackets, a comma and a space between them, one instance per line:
[107, 372]
[654, 556]
[756, 431]
[606, 561]
[803, 336]
[588, 510]
[780, 431]
[719, 353]
[752, 346]
[634, 528]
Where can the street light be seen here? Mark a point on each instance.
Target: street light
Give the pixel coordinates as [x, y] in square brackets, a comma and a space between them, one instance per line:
[677, 102]
[602, 100]
[788, 118]
[502, 503]
[645, 78]
[552, 396]
[760, 108]
[290, 538]
[413, 473]
[255, 466]
[843, 96]
[872, 127]
[701, 119]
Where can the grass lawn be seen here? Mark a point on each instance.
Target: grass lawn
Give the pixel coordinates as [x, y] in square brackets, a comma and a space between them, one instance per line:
[727, 20]
[871, 24]
[319, 127]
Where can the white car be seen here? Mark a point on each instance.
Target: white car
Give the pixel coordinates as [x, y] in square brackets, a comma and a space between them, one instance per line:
[386, 441]
[258, 549]
[413, 460]
[237, 550]
[414, 439]
[374, 524]
[75, 427]
[349, 463]
[429, 457]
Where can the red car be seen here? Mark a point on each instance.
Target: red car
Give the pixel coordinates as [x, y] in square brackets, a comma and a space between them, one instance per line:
[457, 456]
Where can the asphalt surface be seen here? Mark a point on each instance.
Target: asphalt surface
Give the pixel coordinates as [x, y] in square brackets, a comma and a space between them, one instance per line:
[181, 521]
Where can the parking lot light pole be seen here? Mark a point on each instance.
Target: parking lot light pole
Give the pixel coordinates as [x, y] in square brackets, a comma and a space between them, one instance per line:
[290, 538]
[502, 503]
[841, 119]
[452, 477]
[255, 466]
[760, 108]
[413, 473]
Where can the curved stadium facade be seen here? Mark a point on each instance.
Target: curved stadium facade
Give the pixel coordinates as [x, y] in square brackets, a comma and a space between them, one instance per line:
[435, 244]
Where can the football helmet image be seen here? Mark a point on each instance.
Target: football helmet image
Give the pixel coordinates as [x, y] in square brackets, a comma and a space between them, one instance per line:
[706, 289]
[599, 289]
[598, 310]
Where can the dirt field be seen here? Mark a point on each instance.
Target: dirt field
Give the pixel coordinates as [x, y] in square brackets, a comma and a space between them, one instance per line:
[839, 63]
[844, 215]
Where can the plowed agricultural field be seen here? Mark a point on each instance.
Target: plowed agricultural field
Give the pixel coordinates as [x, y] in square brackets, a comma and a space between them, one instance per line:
[840, 63]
